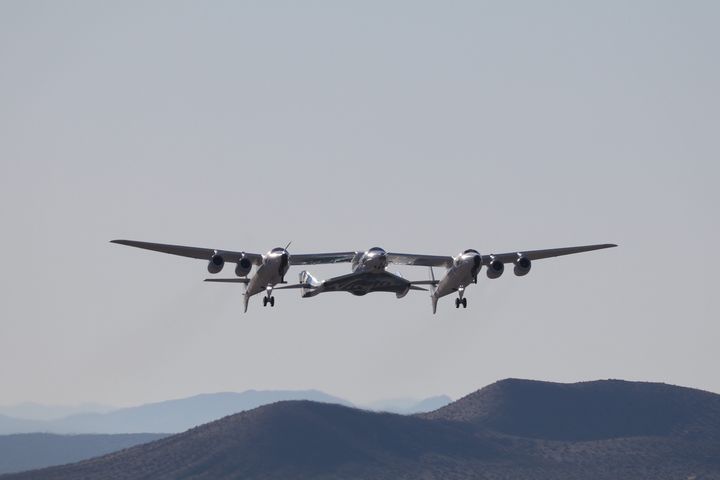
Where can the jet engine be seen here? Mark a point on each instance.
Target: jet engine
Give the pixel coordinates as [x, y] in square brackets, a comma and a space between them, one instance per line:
[495, 269]
[244, 265]
[522, 266]
[216, 263]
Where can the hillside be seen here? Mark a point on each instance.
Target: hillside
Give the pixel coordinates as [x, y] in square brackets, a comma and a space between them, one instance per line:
[511, 429]
[37, 450]
[588, 410]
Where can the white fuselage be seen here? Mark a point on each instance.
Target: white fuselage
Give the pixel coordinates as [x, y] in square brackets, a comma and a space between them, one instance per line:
[462, 273]
[271, 272]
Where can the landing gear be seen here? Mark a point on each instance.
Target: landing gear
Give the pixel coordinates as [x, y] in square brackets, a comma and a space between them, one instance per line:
[268, 298]
[460, 300]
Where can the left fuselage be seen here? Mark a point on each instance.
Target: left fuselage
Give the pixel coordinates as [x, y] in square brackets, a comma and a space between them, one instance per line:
[271, 272]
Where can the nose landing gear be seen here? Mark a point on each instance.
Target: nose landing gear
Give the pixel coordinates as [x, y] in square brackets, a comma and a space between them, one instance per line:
[268, 298]
[460, 300]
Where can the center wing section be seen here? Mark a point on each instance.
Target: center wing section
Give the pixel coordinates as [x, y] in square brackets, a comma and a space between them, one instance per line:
[321, 258]
[420, 260]
[540, 254]
[193, 252]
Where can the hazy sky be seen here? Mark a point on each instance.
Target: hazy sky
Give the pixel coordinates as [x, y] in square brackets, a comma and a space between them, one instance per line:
[416, 126]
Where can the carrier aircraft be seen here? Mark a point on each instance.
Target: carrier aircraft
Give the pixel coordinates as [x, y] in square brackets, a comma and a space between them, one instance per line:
[368, 269]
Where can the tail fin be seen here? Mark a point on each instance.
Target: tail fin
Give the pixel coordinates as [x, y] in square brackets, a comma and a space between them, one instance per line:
[310, 284]
[433, 289]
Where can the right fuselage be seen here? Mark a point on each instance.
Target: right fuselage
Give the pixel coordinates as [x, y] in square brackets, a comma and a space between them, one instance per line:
[462, 273]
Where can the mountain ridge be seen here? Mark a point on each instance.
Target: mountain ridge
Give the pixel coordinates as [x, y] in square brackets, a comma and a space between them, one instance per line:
[483, 435]
[177, 415]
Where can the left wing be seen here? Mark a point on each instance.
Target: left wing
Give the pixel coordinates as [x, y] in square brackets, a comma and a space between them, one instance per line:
[540, 254]
[192, 252]
[420, 260]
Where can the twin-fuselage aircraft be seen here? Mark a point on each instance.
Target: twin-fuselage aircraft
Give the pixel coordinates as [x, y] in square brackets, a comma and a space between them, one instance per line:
[369, 269]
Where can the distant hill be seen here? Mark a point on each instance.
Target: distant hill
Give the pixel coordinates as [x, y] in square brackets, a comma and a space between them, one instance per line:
[408, 406]
[37, 450]
[171, 416]
[605, 430]
[36, 411]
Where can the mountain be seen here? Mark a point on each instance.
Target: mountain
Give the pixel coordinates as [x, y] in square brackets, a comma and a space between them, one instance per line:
[36, 411]
[512, 429]
[37, 450]
[408, 406]
[588, 410]
[171, 416]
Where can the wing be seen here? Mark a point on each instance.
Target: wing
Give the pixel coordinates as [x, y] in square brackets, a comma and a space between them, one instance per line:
[540, 254]
[192, 252]
[318, 258]
[420, 260]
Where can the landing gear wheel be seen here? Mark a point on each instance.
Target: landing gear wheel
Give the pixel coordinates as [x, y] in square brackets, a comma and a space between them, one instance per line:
[457, 303]
[265, 301]
[464, 302]
[272, 301]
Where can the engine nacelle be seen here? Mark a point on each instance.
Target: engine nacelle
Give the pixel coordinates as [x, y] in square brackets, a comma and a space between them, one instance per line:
[495, 269]
[244, 265]
[522, 266]
[216, 263]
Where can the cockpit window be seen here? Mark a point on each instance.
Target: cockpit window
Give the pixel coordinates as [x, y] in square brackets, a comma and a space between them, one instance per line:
[470, 250]
[277, 249]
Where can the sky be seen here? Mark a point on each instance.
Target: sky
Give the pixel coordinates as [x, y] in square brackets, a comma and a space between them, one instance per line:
[417, 126]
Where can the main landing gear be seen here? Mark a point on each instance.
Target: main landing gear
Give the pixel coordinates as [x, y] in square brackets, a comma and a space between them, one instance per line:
[268, 298]
[460, 300]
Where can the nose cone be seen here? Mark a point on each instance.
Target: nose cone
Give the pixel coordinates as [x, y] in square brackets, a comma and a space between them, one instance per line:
[477, 263]
[376, 258]
[473, 258]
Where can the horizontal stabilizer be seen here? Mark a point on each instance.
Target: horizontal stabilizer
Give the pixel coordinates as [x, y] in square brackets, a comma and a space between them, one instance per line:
[228, 280]
[413, 287]
[425, 282]
[297, 285]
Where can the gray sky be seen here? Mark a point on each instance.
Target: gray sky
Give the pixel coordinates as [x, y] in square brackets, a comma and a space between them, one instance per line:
[416, 126]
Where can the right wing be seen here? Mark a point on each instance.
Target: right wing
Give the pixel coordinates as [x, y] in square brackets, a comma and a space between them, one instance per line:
[540, 254]
[193, 252]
